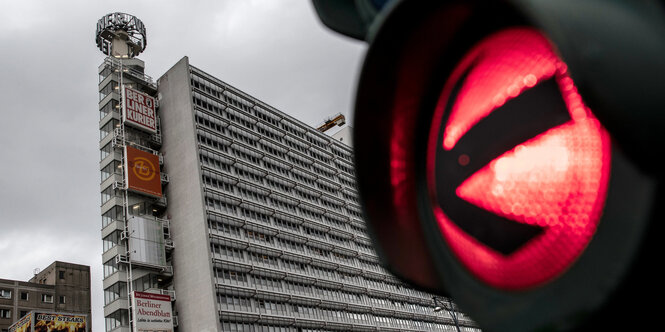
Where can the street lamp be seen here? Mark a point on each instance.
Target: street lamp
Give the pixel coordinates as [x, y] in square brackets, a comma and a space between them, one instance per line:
[439, 305]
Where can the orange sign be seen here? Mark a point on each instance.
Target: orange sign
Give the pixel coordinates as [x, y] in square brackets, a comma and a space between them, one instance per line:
[142, 172]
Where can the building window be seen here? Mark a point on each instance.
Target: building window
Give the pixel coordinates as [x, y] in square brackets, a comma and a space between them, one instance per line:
[24, 296]
[5, 294]
[61, 274]
[114, 292]
[106, 90]
[5, 313]
[110, 241]
[115, 213]
[62, 299]
[23, 313]
[112, 168]
[111, 106]
[106, 150]
[47, 298]
[116, 319]
[108, 128]
[109, 193]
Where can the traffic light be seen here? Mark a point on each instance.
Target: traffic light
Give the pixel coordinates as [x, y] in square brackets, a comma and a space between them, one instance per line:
[507, 154]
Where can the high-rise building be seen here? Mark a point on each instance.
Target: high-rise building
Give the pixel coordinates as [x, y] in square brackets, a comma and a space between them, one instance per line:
[262, 229]
[60, 287]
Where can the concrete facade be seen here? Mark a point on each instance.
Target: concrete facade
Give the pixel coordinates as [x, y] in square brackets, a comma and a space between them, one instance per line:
[344, 135]
[194, 281]
[266, 221]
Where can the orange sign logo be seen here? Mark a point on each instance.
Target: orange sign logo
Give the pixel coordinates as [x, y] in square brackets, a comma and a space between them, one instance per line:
[142, 172]
[143, 169]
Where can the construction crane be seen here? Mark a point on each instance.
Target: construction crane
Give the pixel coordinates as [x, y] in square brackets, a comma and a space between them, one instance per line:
[336, 120]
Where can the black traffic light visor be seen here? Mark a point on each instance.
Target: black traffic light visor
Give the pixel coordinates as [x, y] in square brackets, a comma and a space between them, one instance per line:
[410, 59]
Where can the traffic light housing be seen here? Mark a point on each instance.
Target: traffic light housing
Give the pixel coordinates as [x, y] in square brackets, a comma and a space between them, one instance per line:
[506, 155]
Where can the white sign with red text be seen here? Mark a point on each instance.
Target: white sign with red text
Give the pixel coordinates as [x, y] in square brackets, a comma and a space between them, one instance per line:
[138, 110]
[152, 312]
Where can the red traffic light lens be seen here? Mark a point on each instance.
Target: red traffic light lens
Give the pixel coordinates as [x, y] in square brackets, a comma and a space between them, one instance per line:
[518, 183]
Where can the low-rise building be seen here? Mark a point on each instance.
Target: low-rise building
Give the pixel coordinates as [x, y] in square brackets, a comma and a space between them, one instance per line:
[61, 287]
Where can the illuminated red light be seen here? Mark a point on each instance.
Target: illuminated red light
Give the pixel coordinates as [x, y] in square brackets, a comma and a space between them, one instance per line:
[556, 180]
[510, 62]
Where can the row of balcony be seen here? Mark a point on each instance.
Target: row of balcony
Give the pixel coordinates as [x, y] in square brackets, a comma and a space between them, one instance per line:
[312, 249]
[265, 217]
[261, 109]
[385, 286]
[333, 299]
[335, 319]
[335, 183]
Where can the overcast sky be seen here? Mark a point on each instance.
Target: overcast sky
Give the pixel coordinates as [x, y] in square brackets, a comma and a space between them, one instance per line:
[275, 50]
